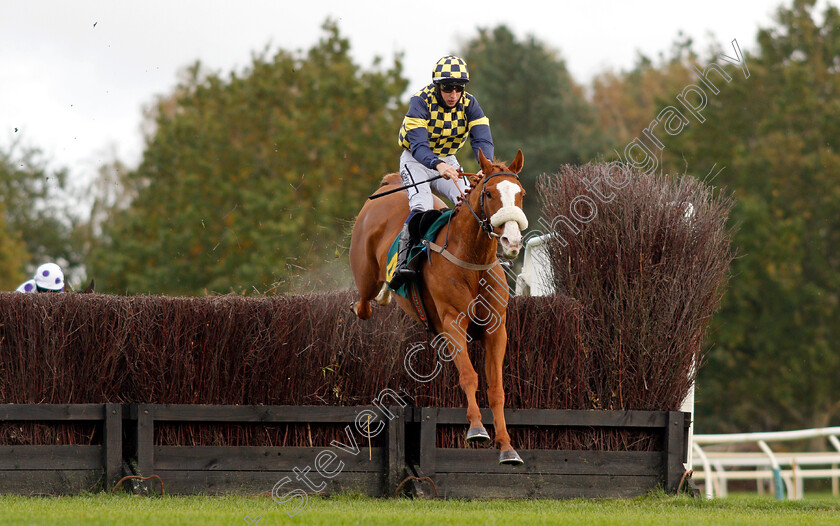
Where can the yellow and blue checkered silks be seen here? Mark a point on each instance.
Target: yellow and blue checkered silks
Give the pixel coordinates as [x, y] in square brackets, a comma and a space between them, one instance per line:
[450, 68]
[447, 127]
[431, 129]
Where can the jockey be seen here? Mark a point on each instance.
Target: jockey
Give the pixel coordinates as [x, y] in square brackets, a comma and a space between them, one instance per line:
[439, 119]
[48, 278]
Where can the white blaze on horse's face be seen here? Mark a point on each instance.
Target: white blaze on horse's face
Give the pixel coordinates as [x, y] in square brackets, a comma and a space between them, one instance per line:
[512, 217]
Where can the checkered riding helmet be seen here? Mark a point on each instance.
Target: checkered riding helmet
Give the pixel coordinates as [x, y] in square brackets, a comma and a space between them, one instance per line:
[451, 68]
[50, 277]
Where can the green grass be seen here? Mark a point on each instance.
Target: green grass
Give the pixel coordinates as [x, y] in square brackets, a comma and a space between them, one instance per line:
[653, 510]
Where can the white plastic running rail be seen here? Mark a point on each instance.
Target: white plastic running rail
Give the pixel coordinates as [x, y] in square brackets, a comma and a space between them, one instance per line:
[787, 470]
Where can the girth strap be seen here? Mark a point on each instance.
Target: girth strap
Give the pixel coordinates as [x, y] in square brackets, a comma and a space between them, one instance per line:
[419, 308]
[454, 260]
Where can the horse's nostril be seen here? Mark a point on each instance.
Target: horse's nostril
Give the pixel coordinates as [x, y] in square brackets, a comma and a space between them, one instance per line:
[507, 242]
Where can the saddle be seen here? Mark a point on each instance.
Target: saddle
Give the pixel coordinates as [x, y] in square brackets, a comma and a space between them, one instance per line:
[423, 226]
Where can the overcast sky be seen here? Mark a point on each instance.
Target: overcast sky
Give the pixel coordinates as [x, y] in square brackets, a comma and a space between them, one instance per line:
[75, 75]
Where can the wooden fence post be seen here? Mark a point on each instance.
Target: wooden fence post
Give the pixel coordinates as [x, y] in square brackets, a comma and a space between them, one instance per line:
[395, 450]
[145, 439]
[675, 450]
[112, 444]
[428, 435]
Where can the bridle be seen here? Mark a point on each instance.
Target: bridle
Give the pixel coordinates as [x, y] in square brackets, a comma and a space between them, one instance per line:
[484, 221]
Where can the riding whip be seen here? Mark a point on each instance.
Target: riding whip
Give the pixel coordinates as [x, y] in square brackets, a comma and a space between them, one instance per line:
[374, 196]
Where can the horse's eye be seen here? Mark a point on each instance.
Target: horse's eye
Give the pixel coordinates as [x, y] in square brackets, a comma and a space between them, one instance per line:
[488, 194]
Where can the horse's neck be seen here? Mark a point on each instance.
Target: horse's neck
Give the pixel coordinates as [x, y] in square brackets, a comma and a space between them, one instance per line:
[467, 240]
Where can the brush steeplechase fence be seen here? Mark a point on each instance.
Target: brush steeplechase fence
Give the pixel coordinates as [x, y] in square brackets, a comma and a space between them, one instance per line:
[406, 448]
[230, 393]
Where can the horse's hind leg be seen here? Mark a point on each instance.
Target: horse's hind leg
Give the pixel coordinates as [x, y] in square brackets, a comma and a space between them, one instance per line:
[362, 307]
[368, 284]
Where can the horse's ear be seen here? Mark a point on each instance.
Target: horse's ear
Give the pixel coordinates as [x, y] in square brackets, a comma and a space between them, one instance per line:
[518, 162]
[486, 165]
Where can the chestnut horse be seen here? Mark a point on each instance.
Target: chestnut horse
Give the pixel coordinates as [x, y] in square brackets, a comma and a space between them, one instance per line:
[463, 269]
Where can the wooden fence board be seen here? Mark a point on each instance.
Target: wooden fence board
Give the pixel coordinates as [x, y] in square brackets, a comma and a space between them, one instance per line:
[559, 462]
[262, 482]
[559, 417]
[50, 412]
[531, 486]
[50, 458]
[55, 482]
[252, 458]
[257, 413]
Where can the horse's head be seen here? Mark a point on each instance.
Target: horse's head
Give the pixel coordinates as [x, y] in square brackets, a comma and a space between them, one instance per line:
[500, 201]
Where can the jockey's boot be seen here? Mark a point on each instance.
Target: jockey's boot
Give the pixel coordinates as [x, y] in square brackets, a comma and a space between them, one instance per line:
[403, 272]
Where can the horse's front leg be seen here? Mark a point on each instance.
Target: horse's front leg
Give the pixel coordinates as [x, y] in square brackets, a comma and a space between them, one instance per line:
[495, 345]
[455, 344]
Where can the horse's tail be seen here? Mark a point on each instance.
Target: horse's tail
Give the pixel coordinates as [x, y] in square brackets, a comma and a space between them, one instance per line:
[392, 178]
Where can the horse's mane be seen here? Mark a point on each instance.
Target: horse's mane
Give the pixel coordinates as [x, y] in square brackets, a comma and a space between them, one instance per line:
[467, 193]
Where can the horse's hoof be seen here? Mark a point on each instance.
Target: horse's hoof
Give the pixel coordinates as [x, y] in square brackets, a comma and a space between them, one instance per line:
[477, 435]
[511, 458]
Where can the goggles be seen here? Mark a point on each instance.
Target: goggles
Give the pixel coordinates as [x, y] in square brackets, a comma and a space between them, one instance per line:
[449, 88]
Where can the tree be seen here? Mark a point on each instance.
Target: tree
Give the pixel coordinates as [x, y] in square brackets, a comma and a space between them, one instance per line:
[532, 102]
[12, 254]
[36, 222]
[627, 101]
[248, 180]
[775, 358]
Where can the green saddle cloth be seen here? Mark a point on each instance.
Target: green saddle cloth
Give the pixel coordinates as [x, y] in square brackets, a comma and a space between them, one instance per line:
[415, 251]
